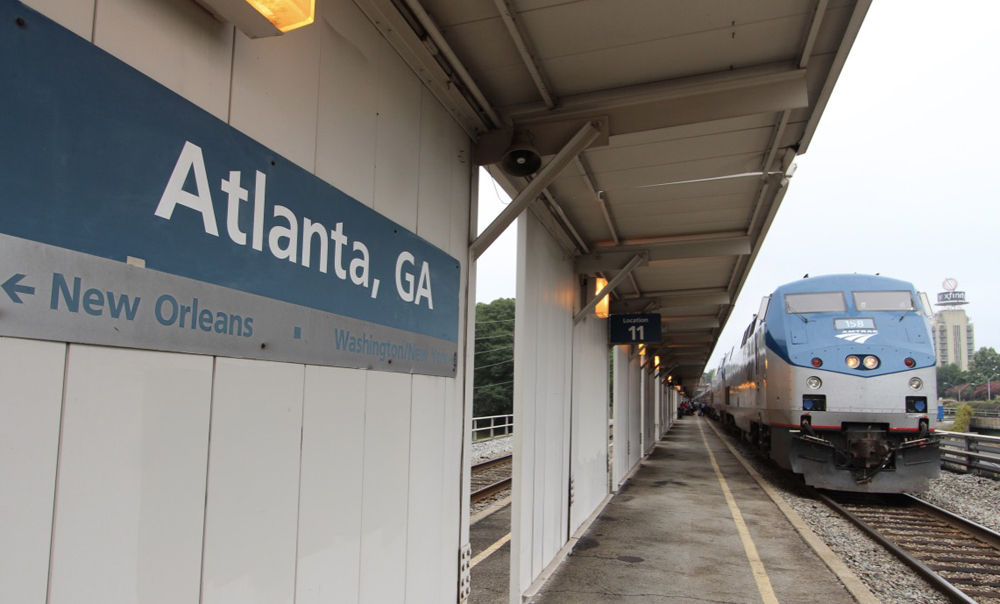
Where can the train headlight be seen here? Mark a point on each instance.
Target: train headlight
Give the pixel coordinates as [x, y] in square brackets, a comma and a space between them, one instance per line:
[916, 383]
[871, 362]
[814, 382]
[853, 362]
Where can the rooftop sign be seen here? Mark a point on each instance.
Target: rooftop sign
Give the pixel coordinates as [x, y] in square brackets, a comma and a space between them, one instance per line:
[950, 297]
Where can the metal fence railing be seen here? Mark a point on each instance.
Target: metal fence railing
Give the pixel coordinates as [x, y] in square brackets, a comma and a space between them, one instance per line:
[970, 453]
[950, 411]
[492, 426]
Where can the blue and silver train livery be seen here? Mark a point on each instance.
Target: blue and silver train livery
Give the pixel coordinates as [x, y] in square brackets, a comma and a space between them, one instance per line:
[835, 380]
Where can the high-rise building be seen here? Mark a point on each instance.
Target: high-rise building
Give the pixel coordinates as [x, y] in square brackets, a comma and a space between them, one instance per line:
[954, 339]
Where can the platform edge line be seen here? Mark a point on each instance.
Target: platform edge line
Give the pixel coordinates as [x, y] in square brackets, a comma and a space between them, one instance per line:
[858, 590]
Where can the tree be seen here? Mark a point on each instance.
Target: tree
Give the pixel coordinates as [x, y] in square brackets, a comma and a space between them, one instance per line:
[959, 390]
[493, 382]
[948, 377]
[985, 365]
[963, 417]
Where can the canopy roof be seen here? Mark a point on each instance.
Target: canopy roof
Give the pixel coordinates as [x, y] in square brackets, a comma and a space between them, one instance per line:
[696, 111]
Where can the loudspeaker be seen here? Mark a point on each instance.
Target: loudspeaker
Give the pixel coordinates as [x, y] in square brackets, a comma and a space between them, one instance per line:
[521, 158]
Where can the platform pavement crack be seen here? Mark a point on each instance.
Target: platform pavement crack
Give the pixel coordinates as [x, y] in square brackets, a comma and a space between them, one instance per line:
[601, 557]
[686, 598]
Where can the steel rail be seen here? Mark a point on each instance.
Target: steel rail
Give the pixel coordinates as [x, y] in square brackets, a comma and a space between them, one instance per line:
[984, 534]
[489, 463]
[490, 490]
[952, 592]
[496, 487]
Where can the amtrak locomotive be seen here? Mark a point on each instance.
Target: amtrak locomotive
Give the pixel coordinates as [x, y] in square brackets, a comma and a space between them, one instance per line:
[835, 380]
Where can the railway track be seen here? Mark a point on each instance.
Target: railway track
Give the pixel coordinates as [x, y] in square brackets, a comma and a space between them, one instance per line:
[958, 557]
[490, 477]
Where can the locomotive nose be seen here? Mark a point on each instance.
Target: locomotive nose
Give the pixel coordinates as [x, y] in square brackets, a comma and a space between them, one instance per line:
[868, 448]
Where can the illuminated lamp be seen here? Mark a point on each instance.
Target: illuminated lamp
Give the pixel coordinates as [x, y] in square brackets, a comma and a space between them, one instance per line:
[670, 378]
[601, 310]
[656, 361]
[263, 18]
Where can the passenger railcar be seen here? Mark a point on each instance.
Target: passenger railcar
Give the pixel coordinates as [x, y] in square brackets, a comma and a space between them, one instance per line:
[835, 380]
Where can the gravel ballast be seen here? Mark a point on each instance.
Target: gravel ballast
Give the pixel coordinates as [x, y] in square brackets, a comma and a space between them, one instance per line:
[489, 449]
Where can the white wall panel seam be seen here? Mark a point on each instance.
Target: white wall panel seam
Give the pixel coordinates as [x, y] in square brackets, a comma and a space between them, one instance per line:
[93, 26]
[409, 487]
[466, 361]
[319, 99]
[378, 100]
[361, 488]
[208, 464]
[59, 450]
[298, 506]
[232, 77]
[420, 141]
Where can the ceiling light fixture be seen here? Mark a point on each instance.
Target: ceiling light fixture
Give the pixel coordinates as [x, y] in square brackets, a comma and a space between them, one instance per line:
[263, 18]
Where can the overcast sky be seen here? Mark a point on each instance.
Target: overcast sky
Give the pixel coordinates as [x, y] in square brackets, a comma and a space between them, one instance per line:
[901, 178]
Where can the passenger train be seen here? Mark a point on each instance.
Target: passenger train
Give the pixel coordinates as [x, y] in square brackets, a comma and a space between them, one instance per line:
[835, 380]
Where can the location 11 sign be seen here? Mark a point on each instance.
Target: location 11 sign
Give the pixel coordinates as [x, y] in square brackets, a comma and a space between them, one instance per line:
[634, 329]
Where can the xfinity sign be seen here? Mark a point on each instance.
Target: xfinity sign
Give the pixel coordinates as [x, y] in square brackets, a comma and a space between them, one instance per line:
[950, 297]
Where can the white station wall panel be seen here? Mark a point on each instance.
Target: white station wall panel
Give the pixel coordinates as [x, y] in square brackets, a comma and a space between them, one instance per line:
[590, 418]
[333, 429]
[178, 44]
[649, 411]
[635, 411]
[386, 476]
[78, 17]
[287, 68]
[397, 137]
[620, 413]
[425, 525]
[251, 515]
[320, 482]
[32, 377]
[542, 390]
[345, 140]
[131, 483]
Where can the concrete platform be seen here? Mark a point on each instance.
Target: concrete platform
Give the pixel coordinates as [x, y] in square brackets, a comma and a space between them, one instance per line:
[490, 540]
[674, 534]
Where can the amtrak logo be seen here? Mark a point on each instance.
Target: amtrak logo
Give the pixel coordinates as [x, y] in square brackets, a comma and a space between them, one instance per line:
[858, 336]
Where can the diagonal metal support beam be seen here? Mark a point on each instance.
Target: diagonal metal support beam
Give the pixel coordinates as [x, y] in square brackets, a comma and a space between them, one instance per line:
[580, 141]
[621, 276]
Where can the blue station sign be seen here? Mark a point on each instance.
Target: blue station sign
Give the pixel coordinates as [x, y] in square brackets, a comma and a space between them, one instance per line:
[130, 216]
[634, 328]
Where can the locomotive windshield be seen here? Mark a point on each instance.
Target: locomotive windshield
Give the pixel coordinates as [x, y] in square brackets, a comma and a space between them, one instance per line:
[797, 304]
[884, 300]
